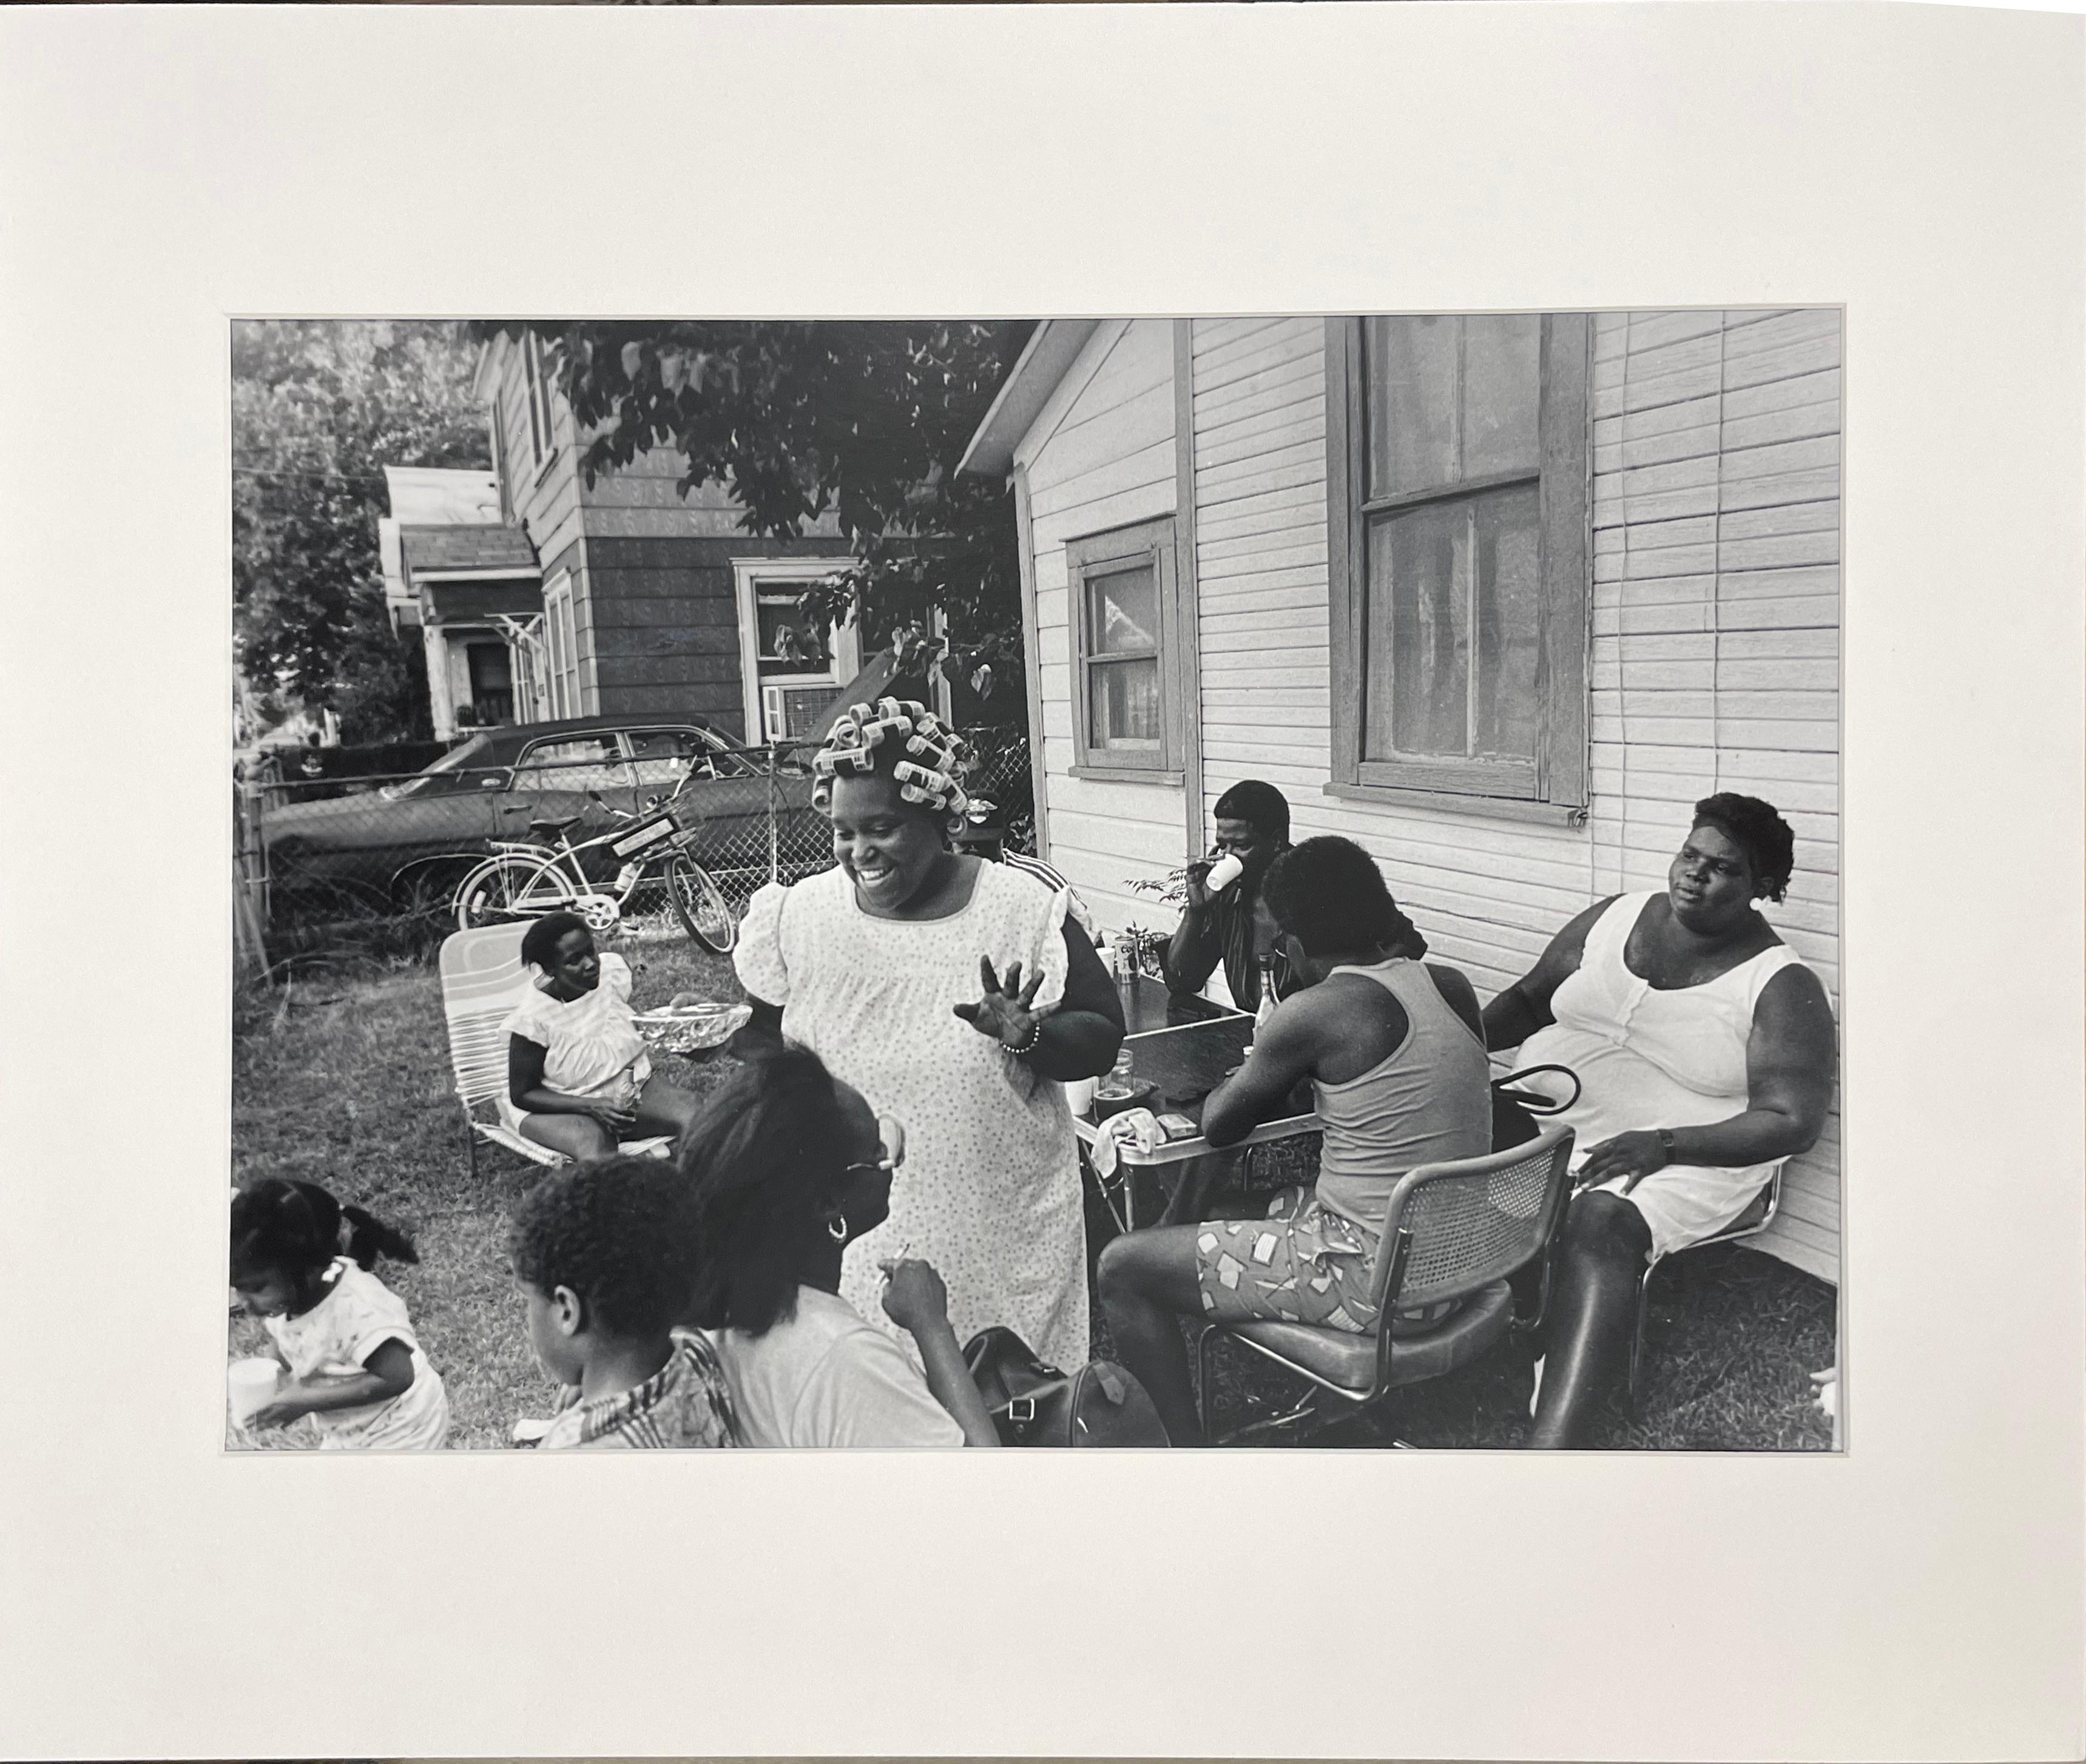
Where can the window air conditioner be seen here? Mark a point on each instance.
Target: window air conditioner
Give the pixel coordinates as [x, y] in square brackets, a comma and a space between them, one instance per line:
[787, 712]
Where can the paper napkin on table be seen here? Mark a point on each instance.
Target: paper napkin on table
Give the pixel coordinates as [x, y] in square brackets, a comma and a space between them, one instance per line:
[1137, 1127]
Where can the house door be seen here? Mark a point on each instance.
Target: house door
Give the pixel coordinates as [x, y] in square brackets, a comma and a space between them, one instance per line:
[492, 682]
[531, 687]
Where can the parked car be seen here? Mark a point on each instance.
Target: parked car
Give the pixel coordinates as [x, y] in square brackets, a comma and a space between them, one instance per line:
[407, 843]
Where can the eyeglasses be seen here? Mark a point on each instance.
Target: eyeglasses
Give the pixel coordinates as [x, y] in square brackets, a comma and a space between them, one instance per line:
[892, 1133]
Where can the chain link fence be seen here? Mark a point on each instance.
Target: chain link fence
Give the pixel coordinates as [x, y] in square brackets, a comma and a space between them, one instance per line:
[330, 866]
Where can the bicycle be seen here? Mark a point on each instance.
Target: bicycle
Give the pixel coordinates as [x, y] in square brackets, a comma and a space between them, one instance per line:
[525, 879]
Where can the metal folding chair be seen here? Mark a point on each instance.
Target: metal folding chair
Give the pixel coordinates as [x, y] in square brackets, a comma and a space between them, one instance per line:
[1453, 1233]
[1757, 1216]
[483, 979]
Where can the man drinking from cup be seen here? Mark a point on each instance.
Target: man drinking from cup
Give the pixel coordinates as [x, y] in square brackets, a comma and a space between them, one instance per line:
[1224, 921]
[1253, 827]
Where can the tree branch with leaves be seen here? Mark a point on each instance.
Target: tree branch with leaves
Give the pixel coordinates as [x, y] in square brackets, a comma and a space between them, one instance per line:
[319, 407]
[862, 419]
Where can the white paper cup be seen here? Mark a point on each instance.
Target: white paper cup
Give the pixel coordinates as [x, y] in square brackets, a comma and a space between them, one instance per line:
[251, 1385]
[1223, 872]
[1079, 1096]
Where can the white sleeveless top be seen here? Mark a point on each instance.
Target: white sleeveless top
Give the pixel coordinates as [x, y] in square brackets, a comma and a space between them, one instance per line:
[1650, 1058]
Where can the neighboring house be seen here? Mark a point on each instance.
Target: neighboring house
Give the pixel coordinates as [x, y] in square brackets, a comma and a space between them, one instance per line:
[469, 581]
[648, 601]
[1260, 547]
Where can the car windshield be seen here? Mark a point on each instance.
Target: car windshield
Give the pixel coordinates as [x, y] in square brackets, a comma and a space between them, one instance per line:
[453, 761]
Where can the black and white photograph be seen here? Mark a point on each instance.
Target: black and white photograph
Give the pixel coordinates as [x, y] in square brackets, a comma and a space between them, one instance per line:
[768, 762]
[1148, 882]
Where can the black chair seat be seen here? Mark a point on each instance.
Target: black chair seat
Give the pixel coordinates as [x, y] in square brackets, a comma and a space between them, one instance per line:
[1349, 1360]
[550, 829]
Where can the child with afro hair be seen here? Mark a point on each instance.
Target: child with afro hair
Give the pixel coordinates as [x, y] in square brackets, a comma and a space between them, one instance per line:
[603, 1255]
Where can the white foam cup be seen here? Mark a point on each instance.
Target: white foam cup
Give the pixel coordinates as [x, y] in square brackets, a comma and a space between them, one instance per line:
[1079, 1095]
[1224, 872]
[252, 1386]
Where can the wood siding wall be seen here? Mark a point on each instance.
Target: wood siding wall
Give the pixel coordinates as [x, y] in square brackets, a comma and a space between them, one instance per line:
[666, 623]
[1101, 456]
[1716, 656]
[1714, 662]
[655, 616]
[664, 618]
[544, 496]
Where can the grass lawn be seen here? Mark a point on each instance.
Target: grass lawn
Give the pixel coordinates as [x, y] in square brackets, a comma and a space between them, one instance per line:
[343, 1079]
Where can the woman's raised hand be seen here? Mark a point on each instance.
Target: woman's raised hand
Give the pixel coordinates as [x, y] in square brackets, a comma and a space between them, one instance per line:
[913, 1295]
[1006, 1011]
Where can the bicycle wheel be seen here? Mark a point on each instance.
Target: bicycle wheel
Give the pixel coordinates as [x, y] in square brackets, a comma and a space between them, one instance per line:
[701, 907]
[508, 890]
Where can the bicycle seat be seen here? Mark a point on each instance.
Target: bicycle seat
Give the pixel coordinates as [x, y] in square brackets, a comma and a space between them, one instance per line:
[550, 829]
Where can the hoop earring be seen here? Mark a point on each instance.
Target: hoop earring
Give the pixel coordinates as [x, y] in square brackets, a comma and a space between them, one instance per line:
[837, 1228]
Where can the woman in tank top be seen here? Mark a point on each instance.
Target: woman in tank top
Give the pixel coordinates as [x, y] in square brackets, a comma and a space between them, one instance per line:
[1393, 1051]
[1706, 1052]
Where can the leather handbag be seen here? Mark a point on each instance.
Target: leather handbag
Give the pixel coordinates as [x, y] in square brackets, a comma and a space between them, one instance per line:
[1516, 1112]
[1034, 1404]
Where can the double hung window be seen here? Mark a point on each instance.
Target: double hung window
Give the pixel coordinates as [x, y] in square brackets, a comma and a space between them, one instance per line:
[1126, 616]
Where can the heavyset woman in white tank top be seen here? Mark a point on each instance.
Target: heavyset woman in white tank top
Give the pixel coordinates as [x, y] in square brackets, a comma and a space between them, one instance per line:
[1705, 1048]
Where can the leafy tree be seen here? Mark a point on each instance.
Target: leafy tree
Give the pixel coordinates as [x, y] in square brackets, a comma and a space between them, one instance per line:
[864, 419]
[319, 408]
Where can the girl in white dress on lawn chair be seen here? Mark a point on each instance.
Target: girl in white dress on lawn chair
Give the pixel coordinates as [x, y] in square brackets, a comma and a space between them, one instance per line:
[578, 1077]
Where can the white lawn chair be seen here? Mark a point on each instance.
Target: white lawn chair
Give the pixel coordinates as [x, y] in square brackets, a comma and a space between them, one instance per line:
[1760, 1213]
[483, 979]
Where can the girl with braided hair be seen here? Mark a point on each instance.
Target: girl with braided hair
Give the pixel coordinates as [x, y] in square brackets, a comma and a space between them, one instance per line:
[957, 996]
[301, 1262]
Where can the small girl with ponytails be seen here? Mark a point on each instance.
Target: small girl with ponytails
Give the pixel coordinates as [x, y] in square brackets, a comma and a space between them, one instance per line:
[301, 1262]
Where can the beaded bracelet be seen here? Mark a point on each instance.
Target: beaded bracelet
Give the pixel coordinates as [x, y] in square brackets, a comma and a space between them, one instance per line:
[1035, 1035]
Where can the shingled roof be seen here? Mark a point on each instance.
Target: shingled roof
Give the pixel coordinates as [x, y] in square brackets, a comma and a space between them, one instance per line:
[467, 547]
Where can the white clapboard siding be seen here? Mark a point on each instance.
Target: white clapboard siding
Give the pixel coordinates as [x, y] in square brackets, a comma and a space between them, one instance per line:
[1487, 894]
[1715, 655]
[1714, 662]
[547, 501]
[1101, 456]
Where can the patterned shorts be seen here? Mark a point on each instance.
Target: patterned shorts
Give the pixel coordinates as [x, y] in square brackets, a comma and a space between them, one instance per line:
[1302, 1262]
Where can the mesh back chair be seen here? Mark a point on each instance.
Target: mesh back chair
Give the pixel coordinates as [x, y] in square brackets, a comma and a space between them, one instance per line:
[1453, 1233]
[483, 979]
[1758, 1216]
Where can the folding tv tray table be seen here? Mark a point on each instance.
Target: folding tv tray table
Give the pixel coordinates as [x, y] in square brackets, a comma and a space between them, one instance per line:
[1186, 1047]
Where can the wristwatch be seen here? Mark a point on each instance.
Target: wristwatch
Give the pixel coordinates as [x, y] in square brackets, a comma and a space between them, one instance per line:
[1666, 1142]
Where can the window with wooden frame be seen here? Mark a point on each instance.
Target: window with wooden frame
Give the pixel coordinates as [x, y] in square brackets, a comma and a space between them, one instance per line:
[502, 471]
[537, 392]
[1127, 621]
[561, 670]
[1457, 449]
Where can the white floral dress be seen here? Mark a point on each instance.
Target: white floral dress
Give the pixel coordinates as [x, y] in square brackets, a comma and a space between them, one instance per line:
[990, 1189]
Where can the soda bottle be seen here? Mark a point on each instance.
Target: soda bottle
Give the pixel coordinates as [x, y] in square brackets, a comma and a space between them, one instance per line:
[1266, 1008]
